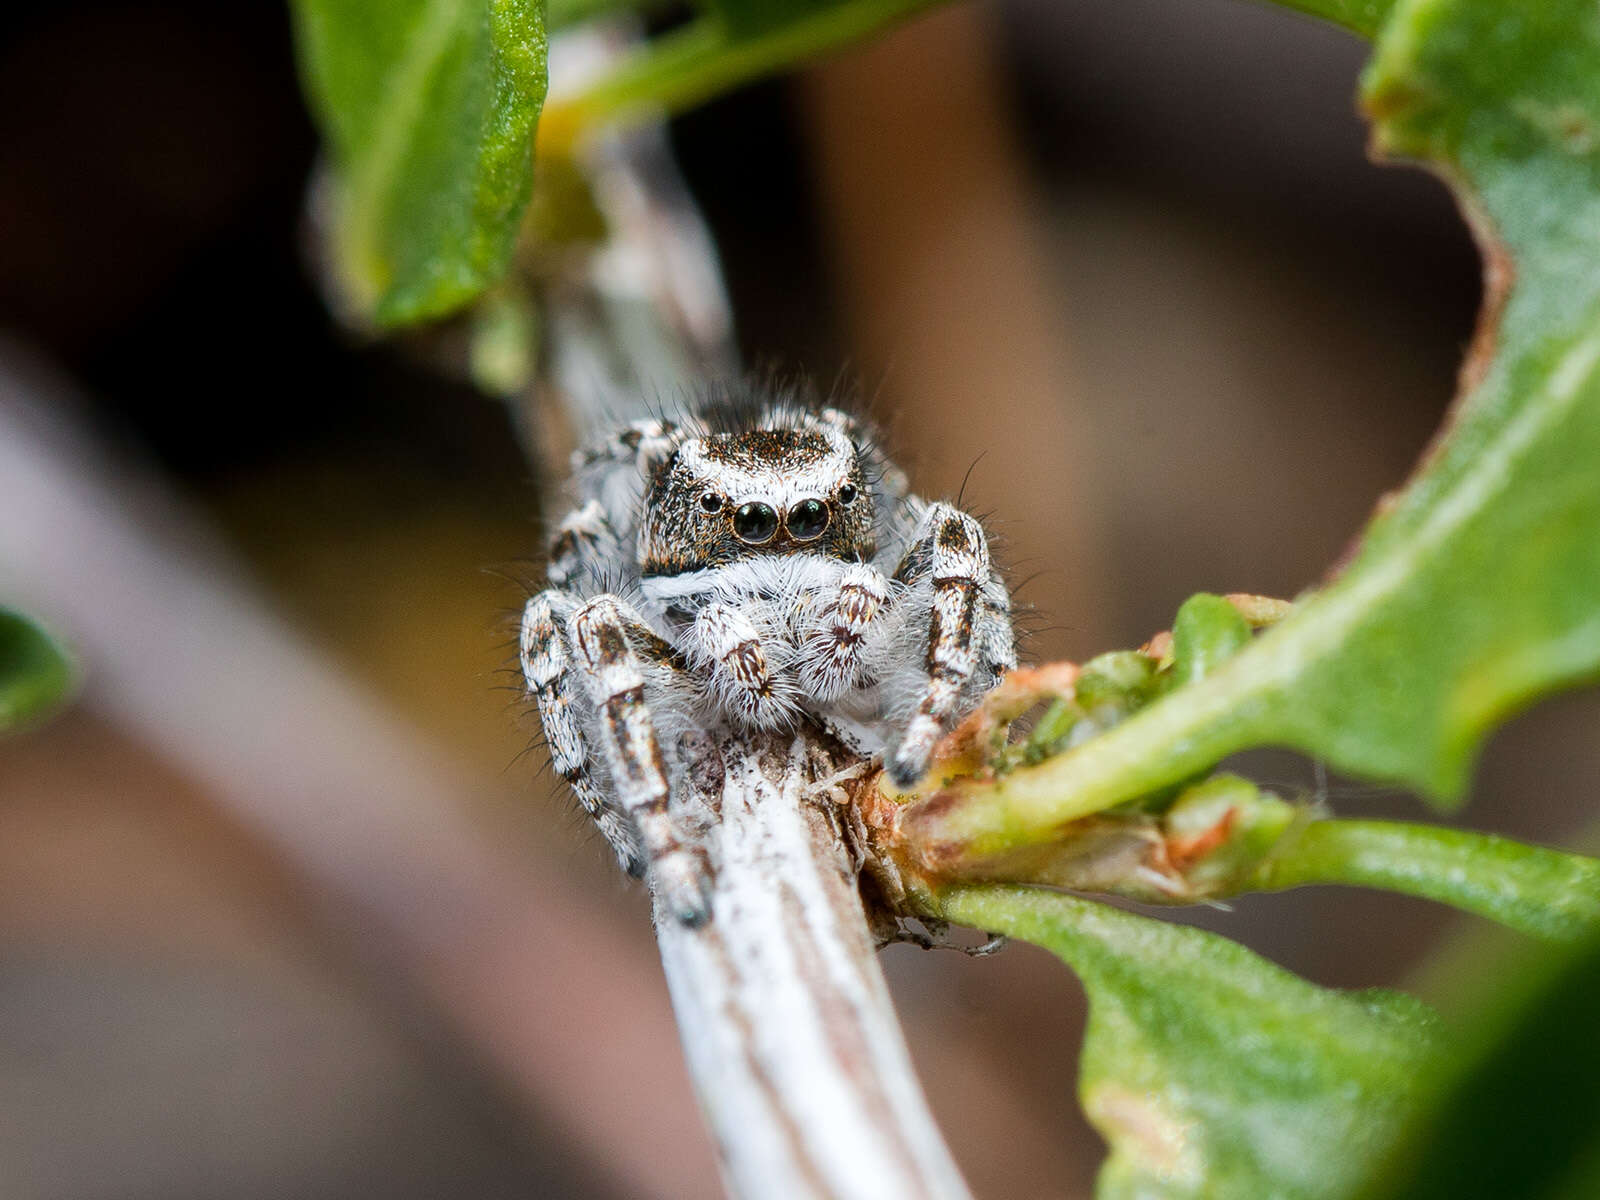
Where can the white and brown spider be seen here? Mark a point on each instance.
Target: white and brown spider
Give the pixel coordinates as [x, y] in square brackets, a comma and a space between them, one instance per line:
[755, 563]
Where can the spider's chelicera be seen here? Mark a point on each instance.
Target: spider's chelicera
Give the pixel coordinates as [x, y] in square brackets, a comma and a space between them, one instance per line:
[754, 564]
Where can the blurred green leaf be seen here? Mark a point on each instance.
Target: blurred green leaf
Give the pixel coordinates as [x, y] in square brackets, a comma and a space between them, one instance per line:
[749, 18]
[428, 108]
[1211, 1072]
[562, 14]
[35, 673]
[1360, 16]
[1519, 1114]
[1477, 588]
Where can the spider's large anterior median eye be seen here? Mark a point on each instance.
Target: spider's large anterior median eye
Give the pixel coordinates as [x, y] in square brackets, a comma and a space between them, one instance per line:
[807, 520]
[755, 523]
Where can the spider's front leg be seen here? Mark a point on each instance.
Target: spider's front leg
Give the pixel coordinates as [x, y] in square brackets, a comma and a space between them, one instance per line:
[611, 643]
[969, 640]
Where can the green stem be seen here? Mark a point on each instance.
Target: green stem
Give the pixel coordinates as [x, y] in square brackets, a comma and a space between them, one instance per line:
[702, 60]
[1546, 893]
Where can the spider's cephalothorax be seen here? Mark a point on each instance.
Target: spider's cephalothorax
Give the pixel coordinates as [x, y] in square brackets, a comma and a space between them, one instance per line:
[753, 564]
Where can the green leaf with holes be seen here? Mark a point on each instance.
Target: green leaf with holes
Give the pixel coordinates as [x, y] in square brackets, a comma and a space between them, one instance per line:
[1476, 589]
[1211, 1072]
[428, 109]
[35, 673]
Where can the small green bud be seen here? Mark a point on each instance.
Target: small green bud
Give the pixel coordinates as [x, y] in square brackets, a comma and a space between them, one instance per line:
[1050, 735]
[1120, 678]
[1218, 831]
[1206, 633]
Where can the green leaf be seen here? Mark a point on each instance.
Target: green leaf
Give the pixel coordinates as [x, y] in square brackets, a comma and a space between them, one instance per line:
[1520, 1113]
[35, 673]
[1211, 1072]
[1476, 589]
[428, 108]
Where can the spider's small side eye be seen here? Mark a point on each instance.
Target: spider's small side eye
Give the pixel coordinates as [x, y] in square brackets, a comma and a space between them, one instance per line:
[711, 503]
[847, 495]
[755, 523]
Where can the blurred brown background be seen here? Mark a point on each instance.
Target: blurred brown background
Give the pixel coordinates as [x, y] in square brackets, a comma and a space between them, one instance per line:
[1126, 262]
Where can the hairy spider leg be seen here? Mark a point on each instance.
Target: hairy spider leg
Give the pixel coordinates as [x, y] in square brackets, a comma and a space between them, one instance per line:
[547, 666]
[635, 443]
[606, 631]
[584, 541]
[953, 553]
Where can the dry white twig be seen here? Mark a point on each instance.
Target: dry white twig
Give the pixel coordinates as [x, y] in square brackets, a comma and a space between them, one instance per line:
[793, 1044]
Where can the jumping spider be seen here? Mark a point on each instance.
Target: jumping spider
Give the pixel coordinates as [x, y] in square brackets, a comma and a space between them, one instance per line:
[754, 563]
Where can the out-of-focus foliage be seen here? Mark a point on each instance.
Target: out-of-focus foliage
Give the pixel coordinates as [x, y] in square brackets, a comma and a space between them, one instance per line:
[428, 108]
[1519, 1112]
[35, 673]
[1360, 16]
[1210, 1071]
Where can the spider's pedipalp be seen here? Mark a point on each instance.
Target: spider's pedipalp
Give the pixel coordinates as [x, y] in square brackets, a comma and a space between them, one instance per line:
[833, 651]
[741, 677]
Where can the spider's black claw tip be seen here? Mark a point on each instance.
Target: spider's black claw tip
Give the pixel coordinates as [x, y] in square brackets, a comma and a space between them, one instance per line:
[905, 774]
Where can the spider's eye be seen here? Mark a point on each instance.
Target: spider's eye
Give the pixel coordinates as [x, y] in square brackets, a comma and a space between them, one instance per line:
[847, 495]
[711, 503]
[755, 523]
[807, 520]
